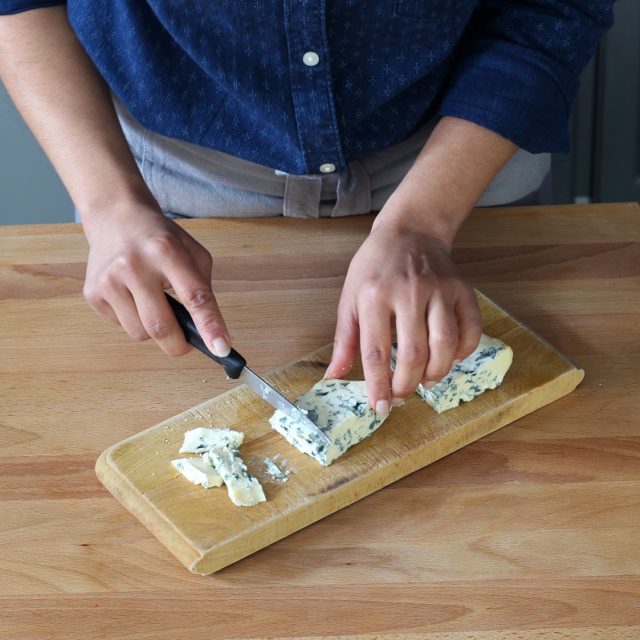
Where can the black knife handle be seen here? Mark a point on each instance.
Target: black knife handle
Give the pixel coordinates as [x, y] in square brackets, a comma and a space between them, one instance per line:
[233, 364]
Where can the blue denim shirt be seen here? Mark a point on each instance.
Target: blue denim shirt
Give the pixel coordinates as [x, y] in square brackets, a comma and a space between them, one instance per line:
[304, 86]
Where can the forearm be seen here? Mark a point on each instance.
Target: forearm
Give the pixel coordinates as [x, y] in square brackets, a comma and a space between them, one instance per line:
[454, 168]
[67, 105]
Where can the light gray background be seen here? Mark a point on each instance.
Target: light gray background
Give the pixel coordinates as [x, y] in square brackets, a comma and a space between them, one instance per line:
[30, 191]
[604, 164]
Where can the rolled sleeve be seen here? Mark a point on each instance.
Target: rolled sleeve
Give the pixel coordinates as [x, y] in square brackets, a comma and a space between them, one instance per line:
[517, 74]
[8, 7]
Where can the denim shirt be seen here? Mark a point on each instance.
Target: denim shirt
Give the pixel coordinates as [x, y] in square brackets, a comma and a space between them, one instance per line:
[305, 86]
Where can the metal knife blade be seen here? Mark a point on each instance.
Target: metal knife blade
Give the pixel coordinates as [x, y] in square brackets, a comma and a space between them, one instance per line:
[278, 401]
[236, 368]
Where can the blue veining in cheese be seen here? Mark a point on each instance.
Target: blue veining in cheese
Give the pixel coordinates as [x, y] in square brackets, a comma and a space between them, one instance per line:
[201, 439]
[340, 408]
[484, 369]
[198, 471]
[243, 488]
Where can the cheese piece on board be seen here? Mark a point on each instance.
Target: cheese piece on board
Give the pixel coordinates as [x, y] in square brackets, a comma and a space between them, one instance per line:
[340, 408]
[202, 439]
[243, 488]
[483, 369]
[198, 471]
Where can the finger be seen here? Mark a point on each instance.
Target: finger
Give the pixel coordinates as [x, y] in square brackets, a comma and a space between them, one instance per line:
[345, 341]
[158, 319]
[99, 305]
[194, 291]
[443, 338]
[412, 350]
[469, 324]
[375, 349]
[124, 307]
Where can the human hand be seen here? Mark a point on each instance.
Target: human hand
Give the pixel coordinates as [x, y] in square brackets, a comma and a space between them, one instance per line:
[404, 277]
[135, 254]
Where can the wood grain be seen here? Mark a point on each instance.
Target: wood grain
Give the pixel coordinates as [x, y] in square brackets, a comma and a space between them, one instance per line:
[531, 532]
[206, 532]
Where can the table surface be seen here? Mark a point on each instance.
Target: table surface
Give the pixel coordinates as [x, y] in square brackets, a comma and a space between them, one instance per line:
[532, 532]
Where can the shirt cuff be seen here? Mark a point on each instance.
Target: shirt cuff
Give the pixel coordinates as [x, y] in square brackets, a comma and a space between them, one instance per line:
[514, 91]
[8, 7]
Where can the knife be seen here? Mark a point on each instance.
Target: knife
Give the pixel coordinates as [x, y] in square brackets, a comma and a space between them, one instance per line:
[236, 368]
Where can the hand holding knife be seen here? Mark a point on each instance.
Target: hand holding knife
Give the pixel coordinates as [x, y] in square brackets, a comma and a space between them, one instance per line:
[236, 368]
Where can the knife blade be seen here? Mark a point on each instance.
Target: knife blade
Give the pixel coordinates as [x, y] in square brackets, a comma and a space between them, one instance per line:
[236, 368]
[278, 401]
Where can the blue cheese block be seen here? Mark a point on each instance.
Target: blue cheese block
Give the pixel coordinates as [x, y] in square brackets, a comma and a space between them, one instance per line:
[484, 369]
[198, 471]
[340, 408]
[202, 439]
[243, 488]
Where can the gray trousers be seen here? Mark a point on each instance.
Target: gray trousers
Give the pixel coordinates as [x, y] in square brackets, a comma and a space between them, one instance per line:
[192, 181]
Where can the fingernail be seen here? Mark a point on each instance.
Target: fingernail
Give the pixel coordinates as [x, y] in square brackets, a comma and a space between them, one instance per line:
[220, 347]
[382, 408]
[396, 402]
[455, 362]
[427, 384]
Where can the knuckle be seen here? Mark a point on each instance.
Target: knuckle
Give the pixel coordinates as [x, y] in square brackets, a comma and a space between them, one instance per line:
[163, 244]
[412, 354]
[198, 298]
[158, 329]
[371, 294]
[124, 263]
[91, 294]
[446, 339]
[376, 356]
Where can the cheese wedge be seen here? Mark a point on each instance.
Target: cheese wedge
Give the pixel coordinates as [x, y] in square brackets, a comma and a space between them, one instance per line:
[243, 488]
[340, 408]
[202, 439]
[483, 369]
[198, 471]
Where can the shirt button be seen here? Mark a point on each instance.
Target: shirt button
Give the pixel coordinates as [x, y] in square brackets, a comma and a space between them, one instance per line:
[328, 167]
[311, 58]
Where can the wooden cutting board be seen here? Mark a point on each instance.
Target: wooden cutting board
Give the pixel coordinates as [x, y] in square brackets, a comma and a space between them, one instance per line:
[206, 532]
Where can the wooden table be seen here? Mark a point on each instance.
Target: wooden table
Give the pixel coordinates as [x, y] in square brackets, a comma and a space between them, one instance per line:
[530, 533]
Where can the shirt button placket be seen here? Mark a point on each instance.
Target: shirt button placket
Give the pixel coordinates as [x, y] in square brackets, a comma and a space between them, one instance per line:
[312, 87]
[311, 59]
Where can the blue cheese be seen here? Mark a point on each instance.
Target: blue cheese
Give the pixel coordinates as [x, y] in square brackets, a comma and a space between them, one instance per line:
[340, 408]
[243, 488]
[202, 439]
[198, 471]
[276, 473]
[484, 369]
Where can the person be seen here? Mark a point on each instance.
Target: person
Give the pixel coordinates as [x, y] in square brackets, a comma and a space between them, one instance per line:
[151, 110]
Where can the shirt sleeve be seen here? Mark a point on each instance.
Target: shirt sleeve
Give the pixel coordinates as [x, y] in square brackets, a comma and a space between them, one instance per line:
[517, 70]
[8, 7]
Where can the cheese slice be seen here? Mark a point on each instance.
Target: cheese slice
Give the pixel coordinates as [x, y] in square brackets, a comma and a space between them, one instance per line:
[340, 408]
[483, 369]
[202, 439]
[198, 471]
[243, 488]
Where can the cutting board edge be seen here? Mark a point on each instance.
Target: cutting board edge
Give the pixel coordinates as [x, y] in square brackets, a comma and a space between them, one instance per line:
[533, 332]
[117, 484]
[217, 558]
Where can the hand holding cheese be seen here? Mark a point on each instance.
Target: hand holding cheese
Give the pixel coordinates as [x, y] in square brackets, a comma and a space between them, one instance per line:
[406, 278]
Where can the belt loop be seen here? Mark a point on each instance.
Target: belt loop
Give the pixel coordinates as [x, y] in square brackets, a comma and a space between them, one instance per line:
[302, 196]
